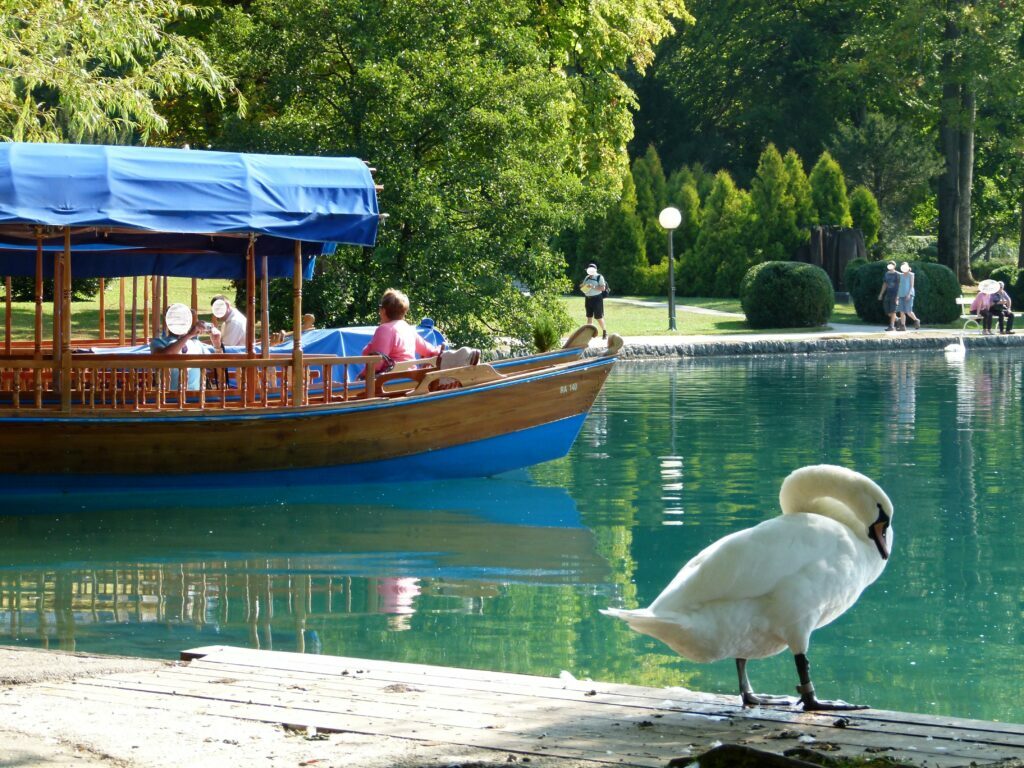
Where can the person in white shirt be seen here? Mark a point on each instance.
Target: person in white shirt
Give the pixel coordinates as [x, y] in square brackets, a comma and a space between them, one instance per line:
[229, 321]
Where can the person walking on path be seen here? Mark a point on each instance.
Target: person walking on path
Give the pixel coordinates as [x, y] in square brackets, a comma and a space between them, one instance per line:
[595, 288]
[890, 285]
[905, 298]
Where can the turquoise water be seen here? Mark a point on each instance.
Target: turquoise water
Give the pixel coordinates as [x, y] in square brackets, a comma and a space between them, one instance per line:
[509, 573]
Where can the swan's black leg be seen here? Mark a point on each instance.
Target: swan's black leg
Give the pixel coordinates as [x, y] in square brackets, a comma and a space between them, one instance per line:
[751, 699]
[806, 690]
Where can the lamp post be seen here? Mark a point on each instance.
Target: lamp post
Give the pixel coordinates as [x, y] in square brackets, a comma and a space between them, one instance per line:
[670, 218]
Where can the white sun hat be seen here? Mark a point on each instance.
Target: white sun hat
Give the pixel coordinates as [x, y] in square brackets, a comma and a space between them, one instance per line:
[988, 286]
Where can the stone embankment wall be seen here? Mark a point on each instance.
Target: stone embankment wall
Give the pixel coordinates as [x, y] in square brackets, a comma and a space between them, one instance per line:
[670, 348]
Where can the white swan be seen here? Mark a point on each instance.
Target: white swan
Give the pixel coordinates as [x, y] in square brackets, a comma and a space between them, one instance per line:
[755, 592]
[956, 351]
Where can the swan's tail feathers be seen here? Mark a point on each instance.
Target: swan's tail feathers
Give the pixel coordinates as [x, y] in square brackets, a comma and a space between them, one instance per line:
[676, 633]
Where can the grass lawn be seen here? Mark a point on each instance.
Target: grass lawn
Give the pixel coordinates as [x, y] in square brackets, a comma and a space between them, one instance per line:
[85, 315]
[627, 318]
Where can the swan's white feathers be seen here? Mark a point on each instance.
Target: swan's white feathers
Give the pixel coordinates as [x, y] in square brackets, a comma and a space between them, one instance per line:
[755, 592]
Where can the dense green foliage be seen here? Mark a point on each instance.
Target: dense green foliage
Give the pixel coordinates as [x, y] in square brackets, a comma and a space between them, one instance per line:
[95, 70]
[865, 214]
[935, 291]
[786, 294]
[774, 208]
[828, 191]
[1009, 276]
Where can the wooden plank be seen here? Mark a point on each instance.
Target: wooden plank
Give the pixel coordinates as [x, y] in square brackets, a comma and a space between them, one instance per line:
[414, 673]
[570, 730]
[591, 718]
[602, 706]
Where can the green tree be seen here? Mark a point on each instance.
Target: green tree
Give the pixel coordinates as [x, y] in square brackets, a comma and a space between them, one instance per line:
[828, 190]
[800, 188]
[774, 209]
[720, 89]
[688, 202]
[888, 157]
[494, 127]
[97, 70]
[616, 242]
[724, 251]
[865, 214]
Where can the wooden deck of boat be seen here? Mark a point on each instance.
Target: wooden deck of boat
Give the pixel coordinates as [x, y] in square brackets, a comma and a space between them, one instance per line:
[520, 718]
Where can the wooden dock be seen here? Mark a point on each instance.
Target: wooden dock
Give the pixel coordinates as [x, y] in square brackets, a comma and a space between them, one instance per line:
[231, 704]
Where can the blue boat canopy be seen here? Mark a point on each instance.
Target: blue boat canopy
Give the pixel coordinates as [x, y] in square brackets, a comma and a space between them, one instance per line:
[178, 212]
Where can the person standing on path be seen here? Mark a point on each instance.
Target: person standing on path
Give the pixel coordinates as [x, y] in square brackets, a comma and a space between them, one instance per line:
[594, 290]
[905, 298]
[890, 285]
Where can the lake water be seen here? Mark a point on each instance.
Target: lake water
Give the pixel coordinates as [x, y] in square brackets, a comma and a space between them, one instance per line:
[509, 573]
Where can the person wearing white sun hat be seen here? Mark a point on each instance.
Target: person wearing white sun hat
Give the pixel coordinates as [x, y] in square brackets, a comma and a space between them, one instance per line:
[887, 295]
[905, 298]
[595, 288]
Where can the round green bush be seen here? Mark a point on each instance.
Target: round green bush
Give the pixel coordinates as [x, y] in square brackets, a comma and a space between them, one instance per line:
[1009, 276]
[850, 273]
[786, 294]
[935, 292]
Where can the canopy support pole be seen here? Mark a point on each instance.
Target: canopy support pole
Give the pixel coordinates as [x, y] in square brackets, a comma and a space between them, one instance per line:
[250, 313]
[120, 311]
[7, 315]
[145, 308]
[65, 340]
[58, 281]
[264, 308]
[37, 379]
[195, 297]
[135, 309]
[298, 373]
[103, 310]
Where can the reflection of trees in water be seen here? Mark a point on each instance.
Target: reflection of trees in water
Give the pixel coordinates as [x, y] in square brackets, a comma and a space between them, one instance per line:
[52, 607]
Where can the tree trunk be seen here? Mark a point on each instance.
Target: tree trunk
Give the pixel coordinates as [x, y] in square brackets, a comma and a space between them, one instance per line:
[1020, 242]
[966, 178]
[949, 183]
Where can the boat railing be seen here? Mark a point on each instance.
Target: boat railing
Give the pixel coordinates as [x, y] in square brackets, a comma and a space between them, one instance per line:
[137, 382]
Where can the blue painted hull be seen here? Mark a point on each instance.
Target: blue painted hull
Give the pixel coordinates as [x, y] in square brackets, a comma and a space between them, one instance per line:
[521, 419]
[482, 458]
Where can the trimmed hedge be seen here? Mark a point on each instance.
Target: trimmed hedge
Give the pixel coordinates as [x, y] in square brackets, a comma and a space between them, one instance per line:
[786, 294]
[935, 292]
[1009, 276]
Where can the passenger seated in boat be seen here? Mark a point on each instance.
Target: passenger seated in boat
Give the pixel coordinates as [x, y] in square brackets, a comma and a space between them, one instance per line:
[230, 323]
[394, 338]
[182, 328]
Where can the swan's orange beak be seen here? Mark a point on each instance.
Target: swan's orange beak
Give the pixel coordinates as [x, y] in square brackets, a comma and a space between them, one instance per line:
[877, 531]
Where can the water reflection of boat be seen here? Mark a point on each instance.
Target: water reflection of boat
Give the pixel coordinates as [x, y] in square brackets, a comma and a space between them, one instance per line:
[248, 567]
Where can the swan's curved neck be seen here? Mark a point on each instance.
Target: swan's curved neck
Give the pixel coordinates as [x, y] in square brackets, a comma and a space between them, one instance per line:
[827, 493]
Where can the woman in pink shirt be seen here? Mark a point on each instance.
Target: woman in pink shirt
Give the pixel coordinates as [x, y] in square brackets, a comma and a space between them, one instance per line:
[394, 337]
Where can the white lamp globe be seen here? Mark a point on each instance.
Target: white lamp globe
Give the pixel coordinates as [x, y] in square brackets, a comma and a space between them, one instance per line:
[670, 218]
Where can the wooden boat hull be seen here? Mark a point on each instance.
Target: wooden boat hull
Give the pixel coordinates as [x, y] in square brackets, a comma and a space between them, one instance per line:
[523, 419]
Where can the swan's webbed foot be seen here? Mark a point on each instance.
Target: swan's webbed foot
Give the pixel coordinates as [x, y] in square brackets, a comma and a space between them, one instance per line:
[751, 699]
[813, 704]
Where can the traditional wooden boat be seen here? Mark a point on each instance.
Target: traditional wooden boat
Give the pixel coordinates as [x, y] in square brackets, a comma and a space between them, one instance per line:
[87, 414]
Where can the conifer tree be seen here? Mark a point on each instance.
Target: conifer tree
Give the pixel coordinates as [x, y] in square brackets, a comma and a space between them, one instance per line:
[774, 209]
[828, 190]
[800, 188]
[615, 243]
[723, 252]
[865, 213]
[649, 177]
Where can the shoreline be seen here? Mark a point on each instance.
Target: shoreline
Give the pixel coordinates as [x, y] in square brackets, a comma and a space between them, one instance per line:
[831, 340]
